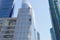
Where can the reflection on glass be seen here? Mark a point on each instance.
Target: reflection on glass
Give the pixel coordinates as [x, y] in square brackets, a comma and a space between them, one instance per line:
[59, 6]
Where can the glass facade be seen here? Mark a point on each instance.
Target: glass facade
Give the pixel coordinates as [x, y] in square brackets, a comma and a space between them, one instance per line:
[6, 8]
[52, 34]
[55, 15]
[59, 4]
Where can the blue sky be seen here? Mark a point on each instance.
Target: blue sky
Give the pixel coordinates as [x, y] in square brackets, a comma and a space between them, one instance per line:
[43, 19]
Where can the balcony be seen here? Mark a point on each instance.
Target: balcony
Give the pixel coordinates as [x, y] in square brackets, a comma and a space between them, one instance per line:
[12, 22]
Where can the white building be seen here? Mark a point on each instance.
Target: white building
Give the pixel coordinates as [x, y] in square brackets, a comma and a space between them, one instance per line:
[25, 25]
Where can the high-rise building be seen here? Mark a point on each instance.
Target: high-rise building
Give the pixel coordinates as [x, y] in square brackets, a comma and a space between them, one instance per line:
[7, 28]
[55, 15]
[20, 28]
[38, 35]
[52, 34]
[6, 8]
[35, 34]
[25, 23]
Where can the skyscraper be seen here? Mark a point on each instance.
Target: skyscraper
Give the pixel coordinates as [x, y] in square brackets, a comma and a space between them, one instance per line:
[25, 23]
[55, 15]
[38, 35]
[6, 8]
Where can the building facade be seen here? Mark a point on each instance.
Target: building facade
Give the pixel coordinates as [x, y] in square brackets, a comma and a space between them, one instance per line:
[55, 16]
[52, 34]
[7, 28]
[6, 8]
[25, 23]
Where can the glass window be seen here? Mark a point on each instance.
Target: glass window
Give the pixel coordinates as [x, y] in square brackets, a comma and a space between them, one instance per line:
[10, 27]
[30, 19]
[8, 36]
[12, 22]
[1, 22]
[6, 7]
[9, 31]
[59, 5]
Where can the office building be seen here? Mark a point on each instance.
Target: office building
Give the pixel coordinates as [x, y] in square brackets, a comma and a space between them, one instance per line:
[6, 8]
[7, 28]
[55, 15]
[25, 23]
[52, 34]
[38, 36]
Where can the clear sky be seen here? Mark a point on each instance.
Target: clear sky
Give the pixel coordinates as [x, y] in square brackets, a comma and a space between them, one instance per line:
[43, 19]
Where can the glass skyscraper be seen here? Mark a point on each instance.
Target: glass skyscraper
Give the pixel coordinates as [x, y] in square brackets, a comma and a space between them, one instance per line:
[6, 8]
[55, 15]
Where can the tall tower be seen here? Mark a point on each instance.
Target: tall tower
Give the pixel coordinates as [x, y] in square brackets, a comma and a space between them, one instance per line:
[25, 23]
[55, 15]
[6, 8]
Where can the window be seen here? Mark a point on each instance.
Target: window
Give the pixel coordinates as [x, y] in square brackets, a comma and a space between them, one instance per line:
[30, 19]
[59, 29]
[12, 22]
[1, 22]
[9, 32]
[10, 27]
[8, 36]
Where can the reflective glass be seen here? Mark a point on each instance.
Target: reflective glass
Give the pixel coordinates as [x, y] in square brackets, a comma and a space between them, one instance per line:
[5, 8]
[59, 3]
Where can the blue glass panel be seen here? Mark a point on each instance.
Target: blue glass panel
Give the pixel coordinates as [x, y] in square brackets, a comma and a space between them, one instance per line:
[52, 34]
[54, 14]
[6, 7]
[6, 4]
